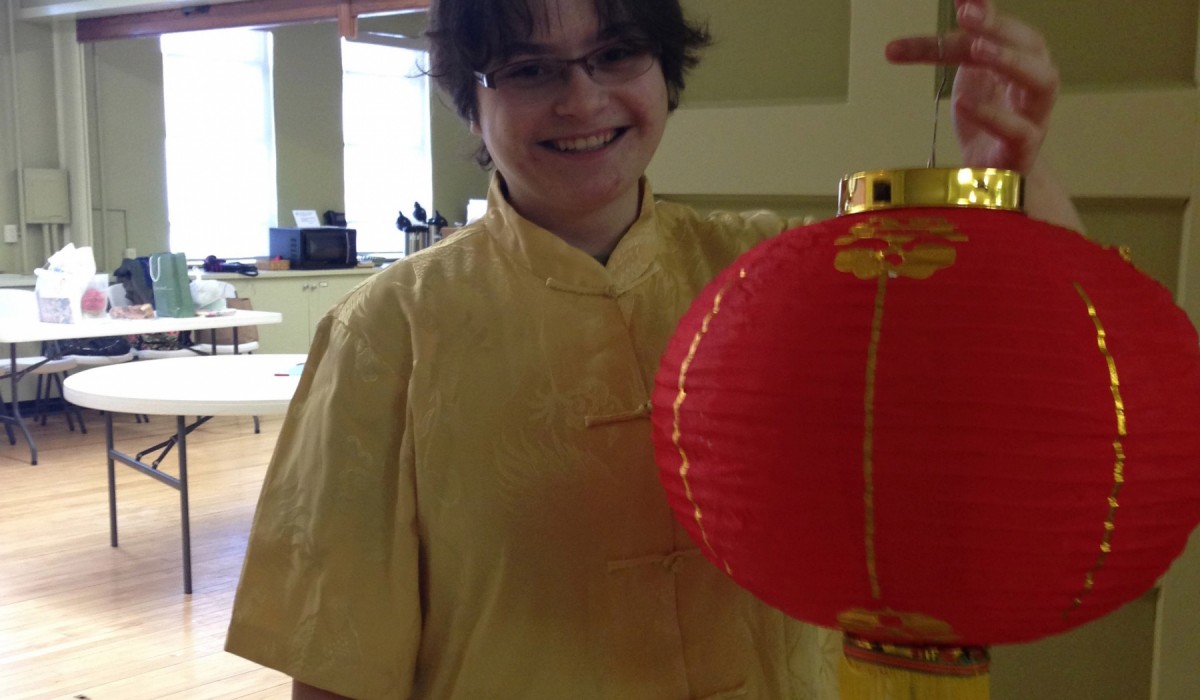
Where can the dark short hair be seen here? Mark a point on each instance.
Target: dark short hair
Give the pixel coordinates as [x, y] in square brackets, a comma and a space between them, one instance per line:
[466, 36]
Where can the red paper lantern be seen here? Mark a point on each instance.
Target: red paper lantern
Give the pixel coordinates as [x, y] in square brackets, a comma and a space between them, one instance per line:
[934, 425]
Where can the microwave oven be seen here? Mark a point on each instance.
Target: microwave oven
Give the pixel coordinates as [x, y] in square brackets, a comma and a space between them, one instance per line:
[315, 248]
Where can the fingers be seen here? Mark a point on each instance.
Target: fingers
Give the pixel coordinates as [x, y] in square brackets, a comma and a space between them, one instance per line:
[1005, 87]
[1012, 49]
[984, 37]
[1004, 42]
[956, 47]
[980, 19]
[1014, 140]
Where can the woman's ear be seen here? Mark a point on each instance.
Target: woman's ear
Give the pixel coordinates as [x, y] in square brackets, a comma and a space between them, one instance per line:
[475, 128]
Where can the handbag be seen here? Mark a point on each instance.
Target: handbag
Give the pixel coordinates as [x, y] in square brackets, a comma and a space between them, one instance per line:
[172, 288]
[107, 346]
[214, 264]
[167, 340]
[134, 275]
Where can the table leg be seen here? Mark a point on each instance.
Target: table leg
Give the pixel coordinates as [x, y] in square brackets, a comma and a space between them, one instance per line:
[179, 483]
[112, 479]
[181, 432]
[257, 427]
[8, 422]
[14, 378]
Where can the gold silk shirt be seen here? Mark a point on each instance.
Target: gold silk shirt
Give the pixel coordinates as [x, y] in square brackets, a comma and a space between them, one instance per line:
[463, 502]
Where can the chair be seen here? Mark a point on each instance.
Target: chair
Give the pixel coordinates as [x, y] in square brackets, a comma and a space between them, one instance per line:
[247, 336]
[21, 305]
[142, 352]
[18, 305]
[85, 360]
[116, 295]
[50, 374]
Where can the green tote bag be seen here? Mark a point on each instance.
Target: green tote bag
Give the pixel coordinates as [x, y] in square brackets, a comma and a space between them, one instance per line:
[172, 288]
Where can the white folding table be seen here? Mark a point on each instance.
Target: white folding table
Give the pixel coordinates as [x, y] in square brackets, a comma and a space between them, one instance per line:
[13, 332]
[205, 386]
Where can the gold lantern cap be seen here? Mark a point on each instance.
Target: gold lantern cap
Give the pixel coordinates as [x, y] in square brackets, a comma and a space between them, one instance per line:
[986, 188]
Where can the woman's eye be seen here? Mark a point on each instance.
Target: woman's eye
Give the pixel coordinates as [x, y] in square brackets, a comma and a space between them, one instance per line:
[526, 72]
[617, 54]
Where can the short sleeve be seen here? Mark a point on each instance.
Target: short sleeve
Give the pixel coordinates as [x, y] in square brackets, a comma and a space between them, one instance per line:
[329, 588]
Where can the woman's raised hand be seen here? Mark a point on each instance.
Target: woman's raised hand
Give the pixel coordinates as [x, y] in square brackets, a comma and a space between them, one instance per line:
[1005, 88]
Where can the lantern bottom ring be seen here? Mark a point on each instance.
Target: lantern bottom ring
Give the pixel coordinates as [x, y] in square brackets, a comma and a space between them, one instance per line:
[938, 659]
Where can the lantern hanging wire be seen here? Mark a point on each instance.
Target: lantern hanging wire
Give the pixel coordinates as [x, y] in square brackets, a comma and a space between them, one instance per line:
[937, 98]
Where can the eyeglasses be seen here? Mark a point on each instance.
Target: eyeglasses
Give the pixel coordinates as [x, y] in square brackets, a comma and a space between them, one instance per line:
[612, 64]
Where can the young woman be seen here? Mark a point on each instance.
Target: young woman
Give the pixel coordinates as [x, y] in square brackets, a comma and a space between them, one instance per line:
[463, 501]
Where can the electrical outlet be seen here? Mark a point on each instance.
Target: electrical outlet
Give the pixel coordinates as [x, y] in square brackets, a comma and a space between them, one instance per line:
[10, 233]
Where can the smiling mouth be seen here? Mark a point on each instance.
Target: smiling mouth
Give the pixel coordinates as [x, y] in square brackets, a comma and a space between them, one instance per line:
[585, 144]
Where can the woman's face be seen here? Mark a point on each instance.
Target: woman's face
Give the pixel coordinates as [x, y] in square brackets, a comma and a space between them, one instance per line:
[580, 146]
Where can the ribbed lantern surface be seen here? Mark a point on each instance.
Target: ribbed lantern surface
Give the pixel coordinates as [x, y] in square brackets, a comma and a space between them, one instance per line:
[943, 425]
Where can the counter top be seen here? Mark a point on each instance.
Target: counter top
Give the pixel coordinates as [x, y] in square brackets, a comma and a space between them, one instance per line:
[27, 281]
[9, 279]
[292, 274]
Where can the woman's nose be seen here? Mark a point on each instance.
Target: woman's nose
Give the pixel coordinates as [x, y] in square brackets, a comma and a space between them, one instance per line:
[579, 94]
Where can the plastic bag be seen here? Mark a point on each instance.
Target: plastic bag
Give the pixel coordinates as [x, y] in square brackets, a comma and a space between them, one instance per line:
[95, 297]
[61, 283]
[208, 295]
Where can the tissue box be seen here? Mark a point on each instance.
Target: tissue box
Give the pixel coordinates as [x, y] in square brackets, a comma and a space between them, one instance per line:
[272, 264]
[57, 309]
[58, 297]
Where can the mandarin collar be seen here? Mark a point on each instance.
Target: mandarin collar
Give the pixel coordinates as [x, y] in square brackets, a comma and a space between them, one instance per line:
[565, 267]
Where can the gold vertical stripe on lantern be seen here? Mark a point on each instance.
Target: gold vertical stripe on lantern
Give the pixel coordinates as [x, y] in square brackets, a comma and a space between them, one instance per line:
[1114, 380]
[908, 252]
[677, 433]
[915, 248]
[869, 436]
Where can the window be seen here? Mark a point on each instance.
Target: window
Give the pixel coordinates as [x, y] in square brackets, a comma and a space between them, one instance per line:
[220, 144]
[385, 129]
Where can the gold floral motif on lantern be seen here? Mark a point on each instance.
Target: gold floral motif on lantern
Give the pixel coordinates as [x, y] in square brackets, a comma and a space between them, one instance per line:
[914, 248]
[894, 624]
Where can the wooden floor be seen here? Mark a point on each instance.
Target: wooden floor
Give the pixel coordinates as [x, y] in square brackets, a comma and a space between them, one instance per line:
[80, 619]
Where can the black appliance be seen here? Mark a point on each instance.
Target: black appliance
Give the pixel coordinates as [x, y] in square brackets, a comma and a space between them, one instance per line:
[315, 248]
